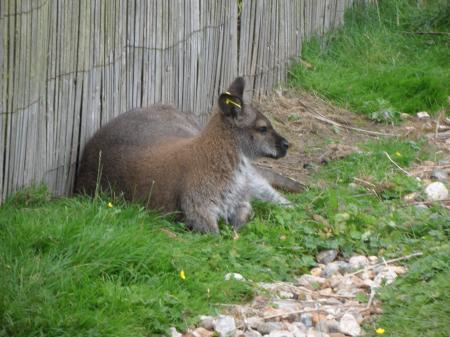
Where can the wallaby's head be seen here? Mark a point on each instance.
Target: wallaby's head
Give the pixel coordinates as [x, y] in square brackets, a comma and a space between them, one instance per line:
[253, 132]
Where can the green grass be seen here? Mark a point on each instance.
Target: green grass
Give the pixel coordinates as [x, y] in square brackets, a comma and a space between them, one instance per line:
[376, 65]
[74, 267]
[417, 305]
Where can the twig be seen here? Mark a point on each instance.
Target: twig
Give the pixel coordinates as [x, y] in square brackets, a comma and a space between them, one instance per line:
[329, 121]
[398, 166]
[364, 182]
[371, 297]
[387, 262]
[292, 313]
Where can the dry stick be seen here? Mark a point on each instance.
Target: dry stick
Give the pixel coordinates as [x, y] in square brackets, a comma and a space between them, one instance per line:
[387, 262]
[329, 121]
[393, 162]
[302, 311]
[326, 120]
[371, 297]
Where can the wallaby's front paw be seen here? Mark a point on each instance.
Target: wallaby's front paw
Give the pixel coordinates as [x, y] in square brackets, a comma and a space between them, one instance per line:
[285, 203]
[241, 215]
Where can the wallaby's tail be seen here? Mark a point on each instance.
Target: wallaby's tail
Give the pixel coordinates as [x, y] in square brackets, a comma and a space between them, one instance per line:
[279, 181]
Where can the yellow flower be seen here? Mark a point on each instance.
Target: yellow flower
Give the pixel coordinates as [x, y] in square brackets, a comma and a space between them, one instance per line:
[379, 331]
[182, 275]
[110, 205]
[398, 154]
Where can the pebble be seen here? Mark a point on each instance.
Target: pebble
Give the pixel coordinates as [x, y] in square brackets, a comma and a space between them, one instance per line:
[423, 115]
[334, 267]
[336, 280]
[225, 326]
[436, 191]
[325, 292]
[202, 332]
[358, 262]
[386, 276]
[398, 269]
[281, 333]
[254, 321]
[331, 325]
[314, 333]
[311, 281]
[439, 174]
[349, 326]
[267, 327]
[326, 256]
[285, 294]
[298, 329]
[316, 271]
[174, 332]
[357, 315]
[306, 319]
[234, 276]
[252, 333]
[206, 322]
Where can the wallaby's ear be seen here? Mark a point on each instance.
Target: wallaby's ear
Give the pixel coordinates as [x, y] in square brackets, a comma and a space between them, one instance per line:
[237, 87]
[230, 105]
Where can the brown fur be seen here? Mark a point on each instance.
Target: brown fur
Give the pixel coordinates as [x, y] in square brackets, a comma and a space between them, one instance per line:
[162, 159]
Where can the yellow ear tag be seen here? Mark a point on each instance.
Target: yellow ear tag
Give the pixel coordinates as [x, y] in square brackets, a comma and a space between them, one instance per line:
[229, 101]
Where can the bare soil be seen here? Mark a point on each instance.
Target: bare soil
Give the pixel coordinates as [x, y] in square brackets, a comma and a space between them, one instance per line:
[319, 132]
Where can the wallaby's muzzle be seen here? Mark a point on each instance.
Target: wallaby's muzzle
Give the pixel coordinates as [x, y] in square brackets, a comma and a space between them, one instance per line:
[281, 145]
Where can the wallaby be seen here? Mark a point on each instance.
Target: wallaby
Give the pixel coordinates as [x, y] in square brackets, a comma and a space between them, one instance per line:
[162, 158]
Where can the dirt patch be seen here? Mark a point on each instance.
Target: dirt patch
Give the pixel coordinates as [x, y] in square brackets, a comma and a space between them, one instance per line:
[317, 131]
[320, 132]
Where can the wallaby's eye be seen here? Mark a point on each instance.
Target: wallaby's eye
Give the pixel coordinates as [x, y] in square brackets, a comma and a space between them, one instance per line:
[262, 129]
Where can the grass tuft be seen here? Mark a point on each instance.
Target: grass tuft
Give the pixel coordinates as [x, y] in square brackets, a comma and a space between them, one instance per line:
[377, 65]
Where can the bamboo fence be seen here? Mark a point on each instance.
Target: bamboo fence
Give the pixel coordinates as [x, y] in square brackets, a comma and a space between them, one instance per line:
[69, 66]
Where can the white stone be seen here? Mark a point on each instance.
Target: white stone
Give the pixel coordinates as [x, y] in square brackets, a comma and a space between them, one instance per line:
[174, 332]
[314, 333]
[355, 313]
[298, 329]
[349, 326]
[254, 321]
[423, 115]
[234, 276]
[225, 326]
[358, 261]
[252, 333]
[436, 191]
[326, 256]
[386, 276]
[373, 259]
[439, 175]
[310, 281]
[285, 294]
[281, 333]
[202, 332]
[206, 322]
[268, 327]
[334, 267]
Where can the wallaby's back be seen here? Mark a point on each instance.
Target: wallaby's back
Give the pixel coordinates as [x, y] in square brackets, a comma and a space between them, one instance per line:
[109, 150]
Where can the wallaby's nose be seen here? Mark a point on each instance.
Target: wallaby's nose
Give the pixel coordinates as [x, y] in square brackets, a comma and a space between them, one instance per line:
[284, 144]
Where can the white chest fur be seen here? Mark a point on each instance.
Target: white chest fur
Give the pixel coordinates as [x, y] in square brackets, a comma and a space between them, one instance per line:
[236, 191]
